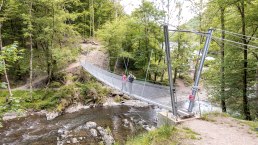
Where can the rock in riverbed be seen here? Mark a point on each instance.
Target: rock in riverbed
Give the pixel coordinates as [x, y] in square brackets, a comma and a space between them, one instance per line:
[51, 115]
[90, 125]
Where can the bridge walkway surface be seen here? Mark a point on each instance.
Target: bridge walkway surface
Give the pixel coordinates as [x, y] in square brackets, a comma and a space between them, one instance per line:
[152, 93]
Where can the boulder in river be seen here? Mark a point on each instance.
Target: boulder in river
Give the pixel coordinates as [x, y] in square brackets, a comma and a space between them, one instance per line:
[106, 136]
[8, 116]
[12, 115]
[51, 115]
[108, 139]
[126, 123]
[90, 125]
[74, 140]
[75, 108]
[94, 132]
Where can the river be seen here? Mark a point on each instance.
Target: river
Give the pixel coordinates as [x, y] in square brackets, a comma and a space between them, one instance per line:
[122, 122]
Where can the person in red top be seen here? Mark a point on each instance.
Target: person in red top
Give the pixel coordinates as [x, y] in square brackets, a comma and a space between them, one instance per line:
[124, 79]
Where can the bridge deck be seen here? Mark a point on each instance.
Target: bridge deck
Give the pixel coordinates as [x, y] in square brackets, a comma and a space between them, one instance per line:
[152, 93]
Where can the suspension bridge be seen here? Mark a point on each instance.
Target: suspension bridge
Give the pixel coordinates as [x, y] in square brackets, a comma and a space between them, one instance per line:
[160, 95]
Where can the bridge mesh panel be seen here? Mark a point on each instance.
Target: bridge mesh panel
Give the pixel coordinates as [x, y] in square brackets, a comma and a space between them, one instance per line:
[152, 93]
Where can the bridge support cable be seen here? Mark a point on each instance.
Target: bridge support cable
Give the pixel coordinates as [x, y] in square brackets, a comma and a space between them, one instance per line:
[166, 36]
[198, 75]
[189, 31]
[147, 71]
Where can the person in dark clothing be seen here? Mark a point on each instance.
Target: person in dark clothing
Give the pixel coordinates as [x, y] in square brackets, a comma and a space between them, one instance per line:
[131, 78]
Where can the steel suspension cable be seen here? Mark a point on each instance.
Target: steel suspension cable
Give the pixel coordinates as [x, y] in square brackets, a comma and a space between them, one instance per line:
[240, 37]
[189, 31]
[231, 41]
[147, 72]
[228, 43]
[237, 34]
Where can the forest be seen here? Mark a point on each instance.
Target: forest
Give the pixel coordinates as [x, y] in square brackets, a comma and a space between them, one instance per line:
[41, 42]
[42, 37]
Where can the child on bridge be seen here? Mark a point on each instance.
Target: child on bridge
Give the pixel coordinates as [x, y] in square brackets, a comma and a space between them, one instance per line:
[124, 79]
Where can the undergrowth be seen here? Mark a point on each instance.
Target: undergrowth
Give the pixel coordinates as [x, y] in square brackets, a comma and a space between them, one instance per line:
[83, 89]
[252, 124]
[210, 116]
[164, 135]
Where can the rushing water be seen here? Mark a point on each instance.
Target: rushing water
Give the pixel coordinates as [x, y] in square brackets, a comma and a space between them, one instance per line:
[37, 130]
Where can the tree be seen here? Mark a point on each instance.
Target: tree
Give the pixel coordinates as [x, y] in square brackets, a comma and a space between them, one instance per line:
[3, 61]
[241, 9]
[28, 34]
[236, 65]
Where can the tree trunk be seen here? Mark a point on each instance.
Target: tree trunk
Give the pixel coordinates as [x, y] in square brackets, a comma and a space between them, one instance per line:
[256, 83]
[200, 40]
[49, 50]
[90, 17]
[49, 64]
[93, 21]
[4, 65]
[175, 75]
[115, 65]
[246, 109]
[222, 67]
[31, 52]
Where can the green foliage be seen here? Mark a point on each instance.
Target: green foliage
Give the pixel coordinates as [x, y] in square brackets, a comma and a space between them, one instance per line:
[118, 99]
[163, 135]
[211, 115]
[55, 84]
[233, 65]
[84, 11]
[3, 85]
[9, 54]
[189, 133]
[188, 81]
[252, 124]
[93, 92]
[65, 56]
[134, 38]
[43, 99]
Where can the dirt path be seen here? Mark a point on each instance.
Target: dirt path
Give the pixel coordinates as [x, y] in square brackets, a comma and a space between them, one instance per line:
[223, 131]
[95, 55]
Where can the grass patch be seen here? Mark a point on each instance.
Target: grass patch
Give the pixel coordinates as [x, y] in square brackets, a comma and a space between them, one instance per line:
[164, 135]
[189, 133]
[207, 117]
[42, 99]
[210, 116]
[252, 124]
[118, 99]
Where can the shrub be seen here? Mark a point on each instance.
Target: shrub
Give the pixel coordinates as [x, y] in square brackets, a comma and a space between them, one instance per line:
[188, 81]
[55, 84]
[93, 92]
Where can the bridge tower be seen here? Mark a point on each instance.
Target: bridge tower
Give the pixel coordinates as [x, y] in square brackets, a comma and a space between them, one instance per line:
[175, 111]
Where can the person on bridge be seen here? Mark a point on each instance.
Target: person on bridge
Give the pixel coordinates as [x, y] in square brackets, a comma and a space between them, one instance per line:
[124, 79]
[131, 78]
